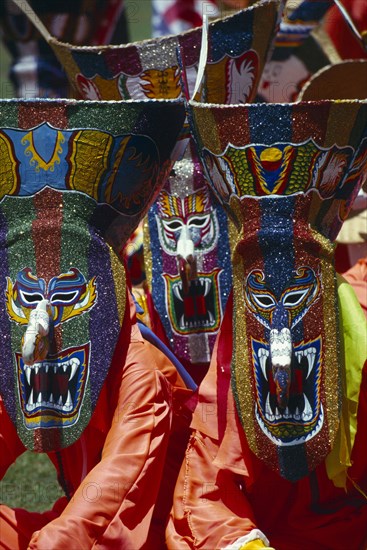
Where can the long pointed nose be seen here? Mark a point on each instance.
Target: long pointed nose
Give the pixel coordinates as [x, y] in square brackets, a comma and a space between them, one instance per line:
[35, 343]
[281, 358]
[185, 245]
[186, 258]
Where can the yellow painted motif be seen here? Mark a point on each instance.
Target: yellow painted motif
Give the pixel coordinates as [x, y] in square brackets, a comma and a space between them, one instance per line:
[86, 175]
[17, 314]
[215, 75]
[36, 159]
[198, 202]
[117, 160]
[108, 88]
[8, 168]
[161, 84]
[272, 155]
[86, 302]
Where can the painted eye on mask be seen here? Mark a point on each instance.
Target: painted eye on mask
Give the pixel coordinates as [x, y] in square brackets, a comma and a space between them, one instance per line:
[264, 301]
[198, 221]
[297, 296]
[30, 299]
[172, 225]
[65, 298]
[294, 298]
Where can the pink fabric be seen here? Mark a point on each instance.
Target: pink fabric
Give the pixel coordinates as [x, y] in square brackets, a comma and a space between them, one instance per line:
[357, 277]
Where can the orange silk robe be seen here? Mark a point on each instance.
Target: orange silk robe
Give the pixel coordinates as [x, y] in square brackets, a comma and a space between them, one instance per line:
[113, 472]
[224, 491]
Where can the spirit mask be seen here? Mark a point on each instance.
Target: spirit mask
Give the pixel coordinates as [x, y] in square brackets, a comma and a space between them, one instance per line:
[188, 262]
[187, 236]
[76, 179]
[287, 175]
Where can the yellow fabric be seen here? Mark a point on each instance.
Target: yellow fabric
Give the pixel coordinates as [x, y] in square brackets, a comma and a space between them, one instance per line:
[354, 352]
[256, 544]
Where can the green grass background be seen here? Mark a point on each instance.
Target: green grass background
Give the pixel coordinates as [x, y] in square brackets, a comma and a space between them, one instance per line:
[31, 481]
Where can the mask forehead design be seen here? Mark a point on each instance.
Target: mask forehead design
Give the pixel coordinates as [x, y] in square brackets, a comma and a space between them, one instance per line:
[193, 214]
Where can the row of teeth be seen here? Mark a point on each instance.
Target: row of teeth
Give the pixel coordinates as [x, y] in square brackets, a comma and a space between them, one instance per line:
[197, 324]
[296, 441]
[30, 406]
[309, 353]
[204, 283]
[74, 363]
[306, 415]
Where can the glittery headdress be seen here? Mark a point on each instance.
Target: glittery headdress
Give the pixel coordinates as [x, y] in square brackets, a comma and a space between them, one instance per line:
[76, 179]
[238, 46]
[287, 174]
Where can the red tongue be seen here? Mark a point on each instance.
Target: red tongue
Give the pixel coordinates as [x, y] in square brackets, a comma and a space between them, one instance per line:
[41, 383]
[296, 384]
[59, 385]
[62, 381]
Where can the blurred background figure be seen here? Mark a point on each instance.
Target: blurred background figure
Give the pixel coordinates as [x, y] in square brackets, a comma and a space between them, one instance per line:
[345, 41]
[357, 277]
[34, 69]
[175, 16]
[351, 252]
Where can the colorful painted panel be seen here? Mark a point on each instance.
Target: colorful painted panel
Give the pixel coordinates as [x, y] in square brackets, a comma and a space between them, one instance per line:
[130, 146]
[270, 150]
